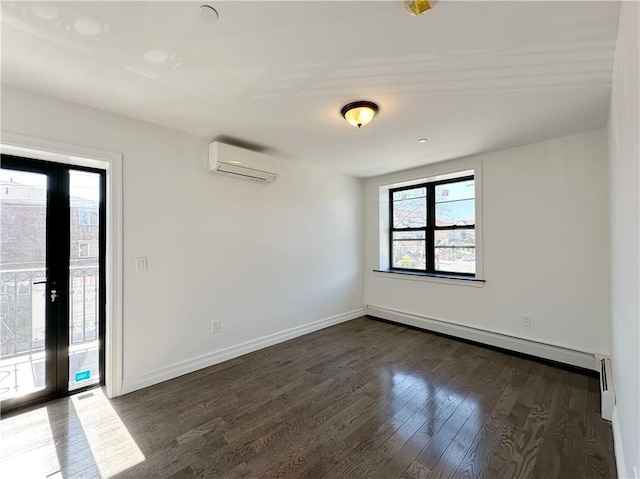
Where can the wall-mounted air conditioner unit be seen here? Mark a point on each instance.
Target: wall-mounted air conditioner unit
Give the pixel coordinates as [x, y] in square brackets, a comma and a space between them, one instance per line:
[234, 161]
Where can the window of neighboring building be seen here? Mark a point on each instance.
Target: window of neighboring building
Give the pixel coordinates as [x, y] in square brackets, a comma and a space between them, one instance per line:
[432, 227]
[88, 217]
[24, 288]
[87, 249]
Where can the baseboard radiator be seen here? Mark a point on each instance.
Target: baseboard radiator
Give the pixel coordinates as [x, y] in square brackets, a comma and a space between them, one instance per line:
[559, 354]
[607, 393]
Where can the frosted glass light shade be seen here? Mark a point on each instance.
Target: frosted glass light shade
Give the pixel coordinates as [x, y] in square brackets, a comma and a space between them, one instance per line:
[359, 113]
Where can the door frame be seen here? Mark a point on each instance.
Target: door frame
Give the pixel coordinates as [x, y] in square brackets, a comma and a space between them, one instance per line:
[111, 162]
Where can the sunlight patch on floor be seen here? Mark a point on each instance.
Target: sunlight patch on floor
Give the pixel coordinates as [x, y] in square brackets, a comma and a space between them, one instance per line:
[27, 448]
[112, 447]
[80, 436]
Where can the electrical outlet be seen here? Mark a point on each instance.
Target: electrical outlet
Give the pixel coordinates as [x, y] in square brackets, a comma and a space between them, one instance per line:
[526, 320]
[141, 264]
[353, 296]
[215, 326]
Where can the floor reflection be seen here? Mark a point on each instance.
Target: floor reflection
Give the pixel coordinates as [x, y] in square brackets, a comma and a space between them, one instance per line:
[425, 404]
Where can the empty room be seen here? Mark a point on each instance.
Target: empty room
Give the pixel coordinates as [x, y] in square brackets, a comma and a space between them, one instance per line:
[322, 239]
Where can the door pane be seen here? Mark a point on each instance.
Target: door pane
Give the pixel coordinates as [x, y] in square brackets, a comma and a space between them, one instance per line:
[23, 213]
[84, 192]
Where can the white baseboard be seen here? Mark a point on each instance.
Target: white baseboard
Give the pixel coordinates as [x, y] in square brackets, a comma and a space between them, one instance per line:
[560, 354]
[617, 446]
[133, 383]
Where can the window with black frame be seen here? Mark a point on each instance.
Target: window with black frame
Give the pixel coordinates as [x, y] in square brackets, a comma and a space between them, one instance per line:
[432, 227]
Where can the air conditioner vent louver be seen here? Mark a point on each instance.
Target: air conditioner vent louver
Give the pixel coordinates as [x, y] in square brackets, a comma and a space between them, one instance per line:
[241, 163]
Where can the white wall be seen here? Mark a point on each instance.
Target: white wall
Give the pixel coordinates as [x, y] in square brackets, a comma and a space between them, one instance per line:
[624, 140]
[261, 258]
[546, 251]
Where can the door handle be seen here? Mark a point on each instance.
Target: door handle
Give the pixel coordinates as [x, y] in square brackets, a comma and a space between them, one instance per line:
[54, 295]
[44, 281]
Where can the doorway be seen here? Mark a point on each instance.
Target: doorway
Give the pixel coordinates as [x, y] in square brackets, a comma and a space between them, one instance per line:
[52, 280]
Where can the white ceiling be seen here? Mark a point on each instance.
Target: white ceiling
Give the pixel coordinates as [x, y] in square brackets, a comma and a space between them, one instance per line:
[469, 76]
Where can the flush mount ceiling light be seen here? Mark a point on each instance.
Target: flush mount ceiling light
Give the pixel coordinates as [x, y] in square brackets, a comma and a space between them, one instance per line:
[418, 7]
[359, 113]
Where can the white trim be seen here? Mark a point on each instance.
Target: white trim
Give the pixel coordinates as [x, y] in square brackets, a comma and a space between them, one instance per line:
[553, 352]
[48, 150]
[427, 171]
[477, 177]
[430, 279]
[617, 446]
[438, 175]
[115, 268]
[134, 383]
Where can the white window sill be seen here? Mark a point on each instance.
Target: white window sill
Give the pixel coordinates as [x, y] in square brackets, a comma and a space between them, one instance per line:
[431, 278]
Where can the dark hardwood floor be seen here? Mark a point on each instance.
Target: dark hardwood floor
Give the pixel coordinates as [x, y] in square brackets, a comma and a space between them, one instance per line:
[364, 399]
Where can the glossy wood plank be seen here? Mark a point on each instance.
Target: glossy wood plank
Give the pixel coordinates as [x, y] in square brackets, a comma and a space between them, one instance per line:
[472, 443]
[364, 399]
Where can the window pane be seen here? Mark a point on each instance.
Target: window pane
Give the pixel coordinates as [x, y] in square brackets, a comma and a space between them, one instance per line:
[409, 213]
[409, 254]
[401, 235]
[452, 213]
[409, 194]
[455, 238]
[464, 190]
[87, 217]
[456, 260]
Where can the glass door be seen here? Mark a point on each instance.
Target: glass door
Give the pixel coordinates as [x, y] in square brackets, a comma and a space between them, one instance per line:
[51, 280]
[84, 278]
[24, 364]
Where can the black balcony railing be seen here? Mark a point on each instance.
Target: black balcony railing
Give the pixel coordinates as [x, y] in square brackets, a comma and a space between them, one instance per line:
[83, 304]
[22, 306]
